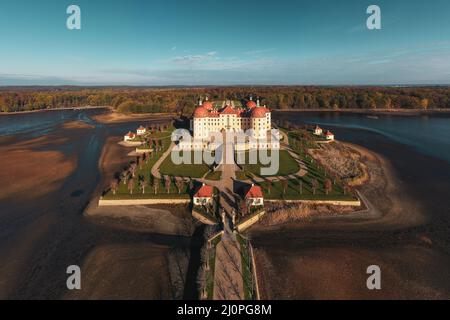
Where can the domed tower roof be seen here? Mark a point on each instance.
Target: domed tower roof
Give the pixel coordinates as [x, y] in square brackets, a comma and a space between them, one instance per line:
[251, 104]
[207, 105]
[259, 112]
[201, 112]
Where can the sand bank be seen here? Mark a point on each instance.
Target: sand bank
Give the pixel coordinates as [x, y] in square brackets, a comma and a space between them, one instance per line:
[30, 168]
[117, 117]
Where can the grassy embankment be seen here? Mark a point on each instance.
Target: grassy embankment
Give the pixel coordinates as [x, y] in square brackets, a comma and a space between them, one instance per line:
[212, 268]
[247, 275]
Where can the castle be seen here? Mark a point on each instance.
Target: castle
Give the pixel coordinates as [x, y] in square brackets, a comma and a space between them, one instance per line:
[253, 119]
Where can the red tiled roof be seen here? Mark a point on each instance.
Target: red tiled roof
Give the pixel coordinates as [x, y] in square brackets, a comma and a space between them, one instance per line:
[201, 112]
[130, 134]
[141, 128]
[207, 105]
[329, 133]
[254, 192]
[228, 110]
[259, 112]
[251, 104]
[204, 192]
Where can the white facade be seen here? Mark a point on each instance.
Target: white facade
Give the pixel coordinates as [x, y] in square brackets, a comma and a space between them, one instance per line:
[141, 131]
[255, 121]
[201, 201]
[255, 201]
[129, 136]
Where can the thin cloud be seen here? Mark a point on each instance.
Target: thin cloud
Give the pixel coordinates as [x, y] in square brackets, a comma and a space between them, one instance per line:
[259, 51]
[197, 58]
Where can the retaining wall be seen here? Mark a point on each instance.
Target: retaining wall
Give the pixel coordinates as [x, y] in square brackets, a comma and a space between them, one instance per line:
[137, 202]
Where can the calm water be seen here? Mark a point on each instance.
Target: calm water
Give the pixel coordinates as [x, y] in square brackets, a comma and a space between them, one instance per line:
[428, 134]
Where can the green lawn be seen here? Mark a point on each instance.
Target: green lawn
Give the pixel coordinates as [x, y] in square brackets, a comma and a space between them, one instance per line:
[183, 170]
[145, 172]
[214, 175]
[247, 276]
[288, 165]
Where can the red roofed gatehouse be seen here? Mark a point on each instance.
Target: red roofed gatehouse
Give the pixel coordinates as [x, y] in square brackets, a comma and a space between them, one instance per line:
[203, 195]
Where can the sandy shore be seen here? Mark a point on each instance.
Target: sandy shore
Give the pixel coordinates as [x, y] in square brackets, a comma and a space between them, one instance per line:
[117, 117]
[386, 204]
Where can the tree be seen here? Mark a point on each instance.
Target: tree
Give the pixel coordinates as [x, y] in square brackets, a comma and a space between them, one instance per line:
[269, 186]
[284, 184]
[314, 185]
[124, 176]
[168, 183]
[424, 103]
[114, 185]
[156, 183]
[142, 184]
[244, 207]
[180, 185]
[131, 185]
[133, 167]
[328, 186]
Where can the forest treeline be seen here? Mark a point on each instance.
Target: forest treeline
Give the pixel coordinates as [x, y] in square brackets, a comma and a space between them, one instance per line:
[184, 100]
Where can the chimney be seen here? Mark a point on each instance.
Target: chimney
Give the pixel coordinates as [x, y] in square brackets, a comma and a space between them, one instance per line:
[200, 102]
[257, 102]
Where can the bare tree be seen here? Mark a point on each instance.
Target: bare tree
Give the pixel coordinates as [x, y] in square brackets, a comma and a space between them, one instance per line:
[168, 183]
[133, 167]
[284, 183]
[114, 185]
[315, 185]
[328, 186]
[180, 185]
[124, 176]
[156, 183]
[131, 185]
[142, 184]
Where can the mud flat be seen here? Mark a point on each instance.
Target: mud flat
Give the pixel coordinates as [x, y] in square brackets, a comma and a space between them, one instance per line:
[33, 167]
[51, 174]
[325, 256]
[339, 272]
[117, 117]
[122, 272]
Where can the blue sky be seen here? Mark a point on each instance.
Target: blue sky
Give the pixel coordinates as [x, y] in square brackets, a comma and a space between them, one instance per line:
[224, 42]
